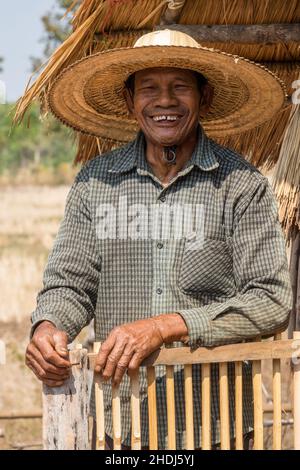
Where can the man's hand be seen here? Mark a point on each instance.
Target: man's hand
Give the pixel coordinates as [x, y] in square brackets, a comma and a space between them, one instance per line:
[128, 345]
[47, 355]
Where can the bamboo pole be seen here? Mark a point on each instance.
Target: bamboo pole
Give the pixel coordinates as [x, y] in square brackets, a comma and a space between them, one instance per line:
[152, 411]
[296, 367]
[224, 407]
[171, 408]
[240, 34]
[189, 417]
[135, 412]
[206, 408]
[239, 441]
[229, 353]
[258, 405]
[116, 415]
[277, 401]
[99, 403]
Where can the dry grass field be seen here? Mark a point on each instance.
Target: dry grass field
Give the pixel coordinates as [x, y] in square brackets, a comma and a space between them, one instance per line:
[29, 220]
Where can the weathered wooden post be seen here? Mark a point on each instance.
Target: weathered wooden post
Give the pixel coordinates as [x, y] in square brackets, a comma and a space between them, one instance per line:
[66, 408]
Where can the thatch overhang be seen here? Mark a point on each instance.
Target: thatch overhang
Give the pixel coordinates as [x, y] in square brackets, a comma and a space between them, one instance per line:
[104, 24]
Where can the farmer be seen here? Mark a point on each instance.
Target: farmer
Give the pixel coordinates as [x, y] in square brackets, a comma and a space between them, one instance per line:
[170, 239]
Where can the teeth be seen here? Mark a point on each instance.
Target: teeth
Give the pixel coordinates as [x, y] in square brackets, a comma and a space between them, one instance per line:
[165, 118]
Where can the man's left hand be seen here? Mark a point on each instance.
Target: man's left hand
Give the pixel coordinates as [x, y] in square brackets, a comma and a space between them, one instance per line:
[128, 345]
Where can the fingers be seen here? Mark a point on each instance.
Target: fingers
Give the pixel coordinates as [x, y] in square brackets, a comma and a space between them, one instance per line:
[104, 352]
[60, 339]
[121, 367]
[46, 344]
[52, 372]
[42, 375]
[113, 360]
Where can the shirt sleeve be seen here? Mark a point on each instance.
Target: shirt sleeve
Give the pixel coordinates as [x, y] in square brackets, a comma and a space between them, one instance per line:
[263, 299]
[71, 277]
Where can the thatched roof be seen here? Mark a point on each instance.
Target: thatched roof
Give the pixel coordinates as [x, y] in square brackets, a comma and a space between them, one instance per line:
[103, 24]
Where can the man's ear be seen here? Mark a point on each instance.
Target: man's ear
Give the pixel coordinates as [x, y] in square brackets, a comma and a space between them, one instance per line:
[207, 94]
[128, 97]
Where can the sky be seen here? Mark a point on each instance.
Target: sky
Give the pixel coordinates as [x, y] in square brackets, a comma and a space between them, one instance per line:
[20, 32]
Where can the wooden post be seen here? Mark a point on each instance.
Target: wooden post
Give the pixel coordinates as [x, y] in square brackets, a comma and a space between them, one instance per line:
[99, 404]
[66, 408]
[152, 411]
[240, 34]
[277, 401]
[258, 406]
[135, 412]
[116, 416]
[296, 368]
[239, 444]
[189, 418]
[224, 407]
[206, 408]
[171, 408]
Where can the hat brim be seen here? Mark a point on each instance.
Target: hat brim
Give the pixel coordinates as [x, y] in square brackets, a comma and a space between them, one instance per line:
[88, 95]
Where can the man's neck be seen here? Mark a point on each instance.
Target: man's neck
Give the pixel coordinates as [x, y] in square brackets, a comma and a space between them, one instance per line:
[164, 170]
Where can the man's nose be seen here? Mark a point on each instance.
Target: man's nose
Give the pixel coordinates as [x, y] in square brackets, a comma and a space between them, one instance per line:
[166, 98]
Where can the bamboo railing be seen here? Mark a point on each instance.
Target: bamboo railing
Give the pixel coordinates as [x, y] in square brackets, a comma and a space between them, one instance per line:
[64, 429]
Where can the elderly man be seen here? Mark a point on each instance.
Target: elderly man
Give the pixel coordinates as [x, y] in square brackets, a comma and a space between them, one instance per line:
[171, 239]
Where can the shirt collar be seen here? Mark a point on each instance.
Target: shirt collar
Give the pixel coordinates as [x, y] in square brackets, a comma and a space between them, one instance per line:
[133, 155]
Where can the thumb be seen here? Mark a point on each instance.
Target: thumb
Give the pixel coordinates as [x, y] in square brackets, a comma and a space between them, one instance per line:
[60, 341]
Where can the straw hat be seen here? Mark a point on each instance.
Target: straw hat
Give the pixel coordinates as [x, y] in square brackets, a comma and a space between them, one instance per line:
[87, 95]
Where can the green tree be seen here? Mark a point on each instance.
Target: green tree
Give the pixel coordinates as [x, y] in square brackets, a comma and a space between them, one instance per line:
[56, 29]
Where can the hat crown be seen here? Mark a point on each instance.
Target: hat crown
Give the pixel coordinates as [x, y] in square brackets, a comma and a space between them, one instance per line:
[166, 37]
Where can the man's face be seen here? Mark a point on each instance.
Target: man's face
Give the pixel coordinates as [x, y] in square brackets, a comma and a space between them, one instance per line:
[166, 104]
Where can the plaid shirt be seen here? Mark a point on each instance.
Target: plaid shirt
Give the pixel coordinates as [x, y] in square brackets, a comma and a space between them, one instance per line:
[233, 287]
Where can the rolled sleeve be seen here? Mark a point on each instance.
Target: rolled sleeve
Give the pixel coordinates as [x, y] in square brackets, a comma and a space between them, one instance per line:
[263, 299]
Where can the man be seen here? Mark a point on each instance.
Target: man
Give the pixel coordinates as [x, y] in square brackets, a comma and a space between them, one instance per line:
[171, 239]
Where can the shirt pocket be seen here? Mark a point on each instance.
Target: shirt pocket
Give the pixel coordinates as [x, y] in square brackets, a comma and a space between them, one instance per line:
[208, 269]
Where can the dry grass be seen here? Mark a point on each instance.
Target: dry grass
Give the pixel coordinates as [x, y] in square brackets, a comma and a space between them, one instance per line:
[287, 175]
[29, 219]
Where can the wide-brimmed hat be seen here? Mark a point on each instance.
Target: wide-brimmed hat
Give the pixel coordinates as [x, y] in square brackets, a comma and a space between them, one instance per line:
[88, 95]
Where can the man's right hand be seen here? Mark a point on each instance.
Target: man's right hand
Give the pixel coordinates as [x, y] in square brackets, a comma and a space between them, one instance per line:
[47, 355]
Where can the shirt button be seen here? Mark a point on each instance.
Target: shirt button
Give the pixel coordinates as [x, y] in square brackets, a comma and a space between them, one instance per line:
[159, 291]
[159, 380]
[162, 198]
[160, 245]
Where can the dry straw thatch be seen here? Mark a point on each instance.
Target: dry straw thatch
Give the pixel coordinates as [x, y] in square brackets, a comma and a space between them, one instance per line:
[287, 176]
[103, 24]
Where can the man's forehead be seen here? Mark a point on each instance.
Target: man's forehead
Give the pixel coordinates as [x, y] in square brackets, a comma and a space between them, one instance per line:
[167, 71]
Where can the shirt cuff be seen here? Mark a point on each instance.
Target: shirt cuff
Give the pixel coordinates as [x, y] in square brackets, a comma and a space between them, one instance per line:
[38, 318]
[199, 326]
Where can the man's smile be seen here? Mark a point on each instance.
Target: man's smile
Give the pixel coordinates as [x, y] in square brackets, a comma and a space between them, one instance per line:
[166, 119]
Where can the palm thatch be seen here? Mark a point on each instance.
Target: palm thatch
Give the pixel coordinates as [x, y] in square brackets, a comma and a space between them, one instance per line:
[287, 176]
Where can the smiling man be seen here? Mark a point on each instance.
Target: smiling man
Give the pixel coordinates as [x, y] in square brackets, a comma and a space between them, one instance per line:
[147, 288]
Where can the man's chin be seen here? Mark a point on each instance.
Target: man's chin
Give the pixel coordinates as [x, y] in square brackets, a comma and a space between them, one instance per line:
[166, 140]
